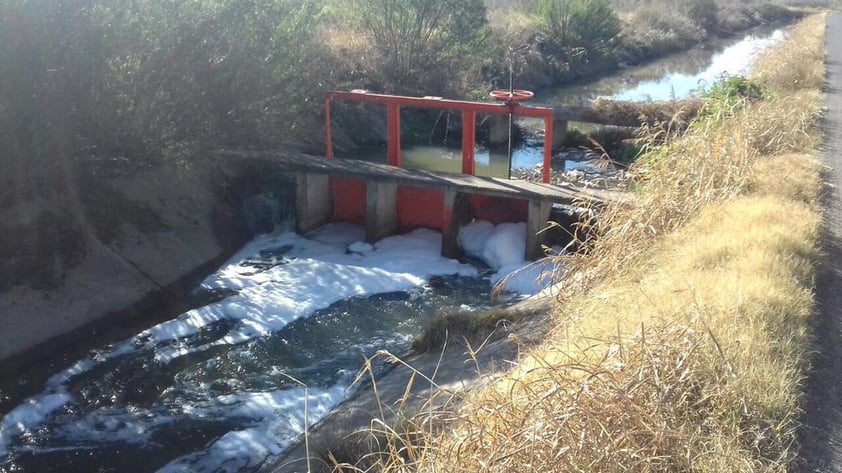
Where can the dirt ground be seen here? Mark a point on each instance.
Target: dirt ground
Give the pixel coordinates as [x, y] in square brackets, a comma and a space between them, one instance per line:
[821, 437]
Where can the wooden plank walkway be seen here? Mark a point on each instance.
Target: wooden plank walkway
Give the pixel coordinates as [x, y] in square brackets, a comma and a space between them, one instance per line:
[373, 172]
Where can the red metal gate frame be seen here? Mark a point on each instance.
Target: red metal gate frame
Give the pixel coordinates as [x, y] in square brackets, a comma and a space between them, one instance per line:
[469, 111]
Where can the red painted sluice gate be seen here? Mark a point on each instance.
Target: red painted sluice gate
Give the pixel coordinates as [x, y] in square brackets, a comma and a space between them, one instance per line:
[420, 208]
[425, 208]
[349, 199]
[499, 210]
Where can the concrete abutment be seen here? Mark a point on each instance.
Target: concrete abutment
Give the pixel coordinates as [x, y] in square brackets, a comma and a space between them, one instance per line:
[382, 218]
[313, 206]
[381, 213]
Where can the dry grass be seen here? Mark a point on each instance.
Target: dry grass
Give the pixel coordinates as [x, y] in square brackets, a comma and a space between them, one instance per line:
[691, 361]
[681, 339]
[775, 68]
[466, 328]
[632, 114]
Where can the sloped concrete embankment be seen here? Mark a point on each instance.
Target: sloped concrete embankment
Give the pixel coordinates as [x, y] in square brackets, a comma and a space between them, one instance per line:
[118, 249]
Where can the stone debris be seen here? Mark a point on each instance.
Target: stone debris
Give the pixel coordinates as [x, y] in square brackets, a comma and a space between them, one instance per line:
[581, 168]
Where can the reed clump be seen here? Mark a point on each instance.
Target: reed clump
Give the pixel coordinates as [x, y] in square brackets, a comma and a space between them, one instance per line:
[680, 337]
[465, 328]
[632, 114]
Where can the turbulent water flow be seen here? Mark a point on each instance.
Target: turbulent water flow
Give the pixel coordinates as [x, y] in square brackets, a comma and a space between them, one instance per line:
[222, 388]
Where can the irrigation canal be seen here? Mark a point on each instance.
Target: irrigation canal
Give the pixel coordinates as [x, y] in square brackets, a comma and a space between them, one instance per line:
[221, 388]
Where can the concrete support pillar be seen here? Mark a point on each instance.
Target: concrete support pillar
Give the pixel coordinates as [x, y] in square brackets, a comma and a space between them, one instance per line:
[381, 210]
[312, 201]
[539, 215]
[457, 211]
[559, 132]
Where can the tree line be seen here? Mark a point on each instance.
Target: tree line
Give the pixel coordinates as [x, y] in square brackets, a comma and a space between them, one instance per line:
[88, 81]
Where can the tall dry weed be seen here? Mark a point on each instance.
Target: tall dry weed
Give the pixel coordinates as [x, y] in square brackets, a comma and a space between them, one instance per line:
[685, 170]
[798, 63]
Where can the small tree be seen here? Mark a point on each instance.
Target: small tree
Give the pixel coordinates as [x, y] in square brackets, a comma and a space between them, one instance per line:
[589, 24]
[415, 40]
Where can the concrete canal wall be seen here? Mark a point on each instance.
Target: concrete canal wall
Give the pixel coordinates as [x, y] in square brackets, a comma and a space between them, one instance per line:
[119, 248]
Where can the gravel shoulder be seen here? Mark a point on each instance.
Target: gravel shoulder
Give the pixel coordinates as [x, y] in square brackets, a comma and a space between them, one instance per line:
[821, 436]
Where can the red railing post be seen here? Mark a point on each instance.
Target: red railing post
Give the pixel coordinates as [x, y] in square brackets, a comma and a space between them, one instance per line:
[469, 138]
[393, 127]
[329, 137]
[548, 149]
[469, 109]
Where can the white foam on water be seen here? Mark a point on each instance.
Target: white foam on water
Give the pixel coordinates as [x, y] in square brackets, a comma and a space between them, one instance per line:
[502, 247]
[318, 271]
[281, 421]
[474, 237]
[309, 273]
[525, 278]
[506, 246]
[26, 417]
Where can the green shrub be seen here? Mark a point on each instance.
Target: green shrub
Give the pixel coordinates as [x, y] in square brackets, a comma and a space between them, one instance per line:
[422, 45]
[575, 138]
[732, 92]
[589, 24]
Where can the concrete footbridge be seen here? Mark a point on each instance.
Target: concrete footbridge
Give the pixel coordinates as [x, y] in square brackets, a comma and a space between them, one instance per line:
[388, 198]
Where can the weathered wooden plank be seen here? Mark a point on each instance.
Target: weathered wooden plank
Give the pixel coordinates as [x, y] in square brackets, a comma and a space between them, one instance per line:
[372, 172]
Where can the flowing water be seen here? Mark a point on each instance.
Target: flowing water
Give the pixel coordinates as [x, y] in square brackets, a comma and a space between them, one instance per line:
[223, 387]
[676, 76]
[285, 324]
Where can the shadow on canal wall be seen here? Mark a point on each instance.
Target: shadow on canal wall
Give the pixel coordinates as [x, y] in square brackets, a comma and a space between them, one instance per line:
[119, 251]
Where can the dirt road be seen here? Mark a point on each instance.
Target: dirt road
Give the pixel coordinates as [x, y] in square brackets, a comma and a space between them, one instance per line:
[821, 438]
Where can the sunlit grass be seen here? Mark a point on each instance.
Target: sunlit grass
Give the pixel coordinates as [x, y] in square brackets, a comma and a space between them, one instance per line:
[798, 64]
